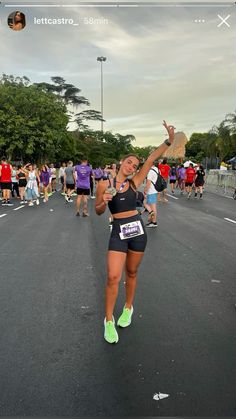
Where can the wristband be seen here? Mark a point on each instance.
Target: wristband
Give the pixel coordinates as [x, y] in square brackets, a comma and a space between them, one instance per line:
[167, 143]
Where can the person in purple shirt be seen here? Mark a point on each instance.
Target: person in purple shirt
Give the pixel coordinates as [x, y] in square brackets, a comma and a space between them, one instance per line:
[98, 174]
[44, 180]
[181, 178]
[83, 171]
[173, 177]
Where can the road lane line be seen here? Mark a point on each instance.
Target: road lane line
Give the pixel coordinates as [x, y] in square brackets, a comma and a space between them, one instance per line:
[15, 209]
[228, 219]
[3, 215]
[171, 196]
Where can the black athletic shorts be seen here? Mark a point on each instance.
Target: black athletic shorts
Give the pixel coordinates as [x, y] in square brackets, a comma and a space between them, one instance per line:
[137, 244]
[6, 185]
[70, 186]
[172, 180]
[81, 191]
[199, 183]
[22, 183]
[188, 183]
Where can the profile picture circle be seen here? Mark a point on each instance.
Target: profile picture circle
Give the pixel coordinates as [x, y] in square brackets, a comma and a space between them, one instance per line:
[16, 21]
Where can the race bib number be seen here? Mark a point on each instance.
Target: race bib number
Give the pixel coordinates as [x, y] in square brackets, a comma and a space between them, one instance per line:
[132, 229]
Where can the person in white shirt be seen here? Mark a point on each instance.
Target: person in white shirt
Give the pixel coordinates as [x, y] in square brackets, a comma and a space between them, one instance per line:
[61, 177]
[151, 193]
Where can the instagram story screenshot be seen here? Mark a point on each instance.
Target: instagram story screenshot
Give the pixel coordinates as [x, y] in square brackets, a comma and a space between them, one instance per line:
[117, 208]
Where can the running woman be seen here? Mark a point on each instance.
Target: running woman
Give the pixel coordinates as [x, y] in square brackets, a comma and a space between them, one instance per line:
[61, 177]
[21, 176]
[199, 180]
[150, 193]
[173, 177]
[33, 180]
[44, 179]
[128, 237]
[181, 178]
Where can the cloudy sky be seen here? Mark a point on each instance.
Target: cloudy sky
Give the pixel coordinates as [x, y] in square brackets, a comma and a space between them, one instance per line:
[161, 64]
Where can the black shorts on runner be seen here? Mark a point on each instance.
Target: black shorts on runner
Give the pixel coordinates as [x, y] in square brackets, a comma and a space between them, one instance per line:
[172, 180]
[22, 183]
[62, 180]
[199, 183]
[6, 185]
[188, 183]
[81, 191]
[137, 244]
[97, 179]
[70, 186]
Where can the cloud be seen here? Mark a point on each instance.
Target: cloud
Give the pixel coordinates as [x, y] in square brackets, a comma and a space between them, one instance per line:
[160, 64]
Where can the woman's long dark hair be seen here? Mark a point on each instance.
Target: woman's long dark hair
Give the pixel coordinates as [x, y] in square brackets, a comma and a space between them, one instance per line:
[22, 21]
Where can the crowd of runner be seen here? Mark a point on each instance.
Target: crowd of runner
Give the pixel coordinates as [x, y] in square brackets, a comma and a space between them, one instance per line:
[30, 182]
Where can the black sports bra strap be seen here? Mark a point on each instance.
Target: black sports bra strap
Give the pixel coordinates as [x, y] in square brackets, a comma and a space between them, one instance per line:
[114, 182]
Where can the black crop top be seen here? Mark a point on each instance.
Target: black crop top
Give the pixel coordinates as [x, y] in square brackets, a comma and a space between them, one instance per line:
[123, 201]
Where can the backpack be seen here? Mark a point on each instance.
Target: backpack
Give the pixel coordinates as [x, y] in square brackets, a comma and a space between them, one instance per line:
[139, 199]
[160, 183]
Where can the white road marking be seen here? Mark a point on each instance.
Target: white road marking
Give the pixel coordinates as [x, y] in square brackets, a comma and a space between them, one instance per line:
[3, 215]
[171, 196]
[228, 219]
[15, 209]
[215, 280]
[160, 396]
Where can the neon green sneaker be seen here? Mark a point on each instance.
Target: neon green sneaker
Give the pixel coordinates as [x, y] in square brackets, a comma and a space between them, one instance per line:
[125, 318]
[110, 333]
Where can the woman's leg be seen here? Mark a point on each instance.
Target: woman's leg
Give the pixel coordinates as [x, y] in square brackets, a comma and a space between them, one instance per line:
[132, 263]
[115, 265]
[21, 190]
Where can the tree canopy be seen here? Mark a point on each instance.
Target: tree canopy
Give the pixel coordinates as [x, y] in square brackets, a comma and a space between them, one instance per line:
[35, 118]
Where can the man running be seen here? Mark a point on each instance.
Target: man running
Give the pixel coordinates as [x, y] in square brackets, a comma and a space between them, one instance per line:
[83, 172]
[69, 181]
[6, 181]
[190, 176]
[164, 169]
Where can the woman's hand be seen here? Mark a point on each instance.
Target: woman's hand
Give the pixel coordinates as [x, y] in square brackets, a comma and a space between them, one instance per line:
[171, 131]
[107, 197]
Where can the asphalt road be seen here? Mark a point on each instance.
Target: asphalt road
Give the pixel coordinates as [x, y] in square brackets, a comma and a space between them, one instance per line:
[182, 341]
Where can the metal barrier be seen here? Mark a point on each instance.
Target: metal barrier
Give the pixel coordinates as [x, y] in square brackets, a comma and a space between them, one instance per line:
[221, 181]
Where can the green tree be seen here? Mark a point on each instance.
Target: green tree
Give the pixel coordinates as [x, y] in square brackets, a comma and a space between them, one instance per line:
[32, 122]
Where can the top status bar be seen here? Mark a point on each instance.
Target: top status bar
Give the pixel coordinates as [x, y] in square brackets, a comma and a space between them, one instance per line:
[123, 4]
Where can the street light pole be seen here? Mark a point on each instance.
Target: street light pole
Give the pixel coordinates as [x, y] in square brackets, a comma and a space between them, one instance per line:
[101, 60]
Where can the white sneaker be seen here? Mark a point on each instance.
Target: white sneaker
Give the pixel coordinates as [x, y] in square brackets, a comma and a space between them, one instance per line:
[37, 201]
[31, 204]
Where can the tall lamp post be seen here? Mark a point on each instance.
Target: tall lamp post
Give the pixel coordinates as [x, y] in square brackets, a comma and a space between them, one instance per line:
[101, 60]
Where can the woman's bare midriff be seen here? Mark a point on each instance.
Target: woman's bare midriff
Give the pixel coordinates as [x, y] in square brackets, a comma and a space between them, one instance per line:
[125, 214]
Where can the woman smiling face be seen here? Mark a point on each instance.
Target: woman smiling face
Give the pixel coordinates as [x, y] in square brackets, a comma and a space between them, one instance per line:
[18, 17]
[129, 165]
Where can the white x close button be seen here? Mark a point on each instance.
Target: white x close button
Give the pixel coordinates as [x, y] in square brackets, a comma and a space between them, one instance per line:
[223, 21]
